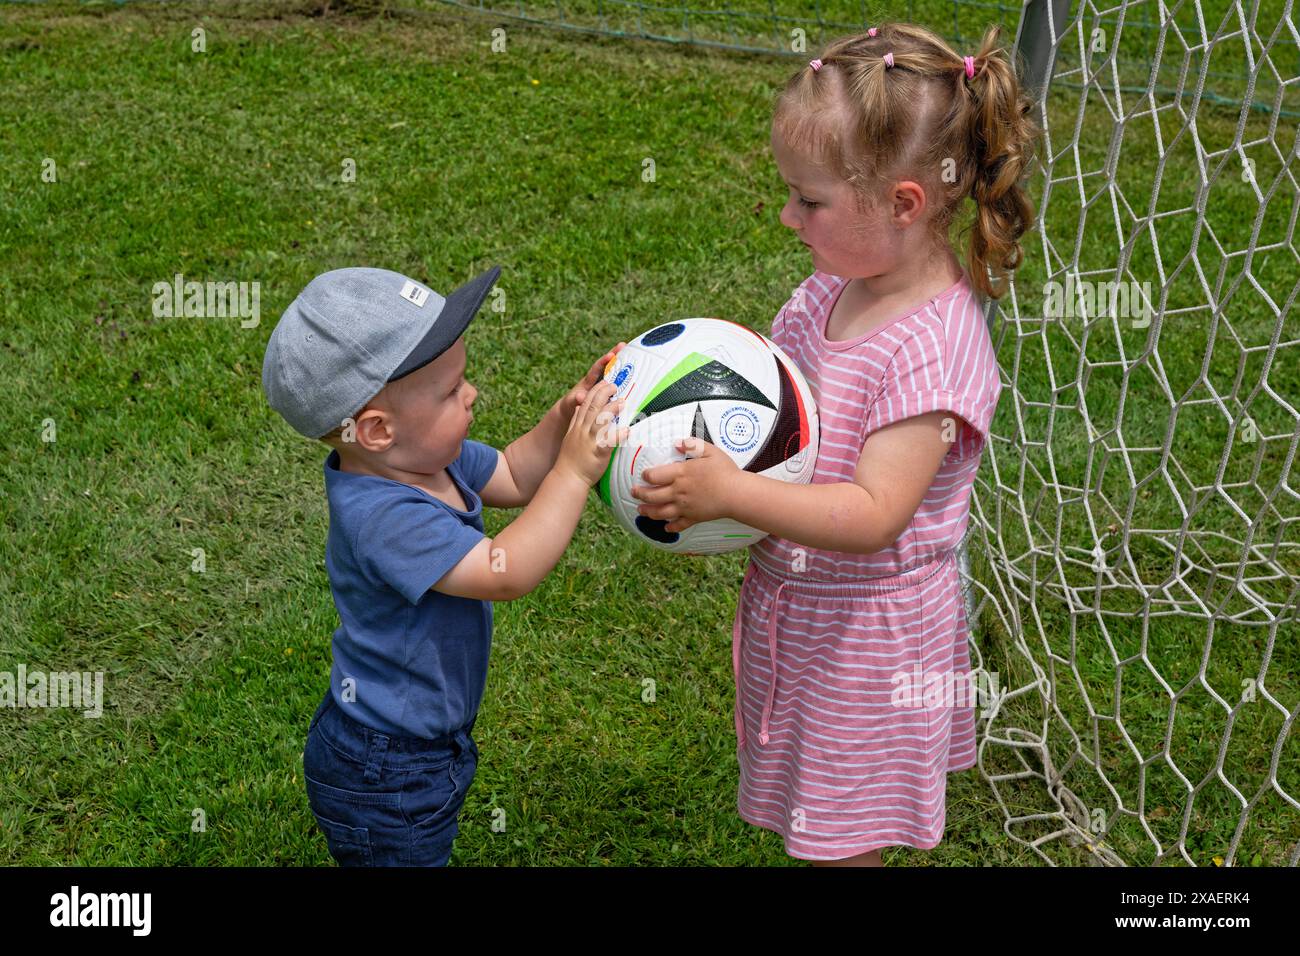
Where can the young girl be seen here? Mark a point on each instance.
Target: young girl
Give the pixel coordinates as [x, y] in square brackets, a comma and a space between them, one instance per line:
[851, 610]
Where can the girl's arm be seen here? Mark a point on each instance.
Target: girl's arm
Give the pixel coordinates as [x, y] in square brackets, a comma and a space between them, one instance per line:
[897, 466]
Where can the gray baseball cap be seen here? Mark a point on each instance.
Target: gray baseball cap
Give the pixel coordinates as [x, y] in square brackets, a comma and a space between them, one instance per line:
[350, 333]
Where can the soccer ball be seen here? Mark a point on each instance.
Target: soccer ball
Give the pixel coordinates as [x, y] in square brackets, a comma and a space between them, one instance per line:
[718, 381]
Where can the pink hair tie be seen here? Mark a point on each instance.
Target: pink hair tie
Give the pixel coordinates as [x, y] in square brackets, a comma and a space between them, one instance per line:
[889, 60]
[871, 32]
[970, 65]
[815, 64]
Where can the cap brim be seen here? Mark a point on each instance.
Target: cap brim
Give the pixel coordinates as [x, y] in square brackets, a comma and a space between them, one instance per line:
[460, 307]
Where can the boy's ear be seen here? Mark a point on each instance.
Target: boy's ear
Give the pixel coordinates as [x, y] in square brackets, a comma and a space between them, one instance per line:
[374, 429]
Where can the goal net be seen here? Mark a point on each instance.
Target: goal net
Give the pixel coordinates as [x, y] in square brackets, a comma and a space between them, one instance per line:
[1134, 548]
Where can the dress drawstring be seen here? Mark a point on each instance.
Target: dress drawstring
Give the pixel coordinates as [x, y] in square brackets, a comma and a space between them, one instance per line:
[771, 653]
[735, 653]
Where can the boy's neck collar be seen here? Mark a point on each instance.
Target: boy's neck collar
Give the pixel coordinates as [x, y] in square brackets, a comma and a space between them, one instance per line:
[339, 462]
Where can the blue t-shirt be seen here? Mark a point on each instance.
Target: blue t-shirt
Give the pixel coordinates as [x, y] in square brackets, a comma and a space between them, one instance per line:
[418, 658]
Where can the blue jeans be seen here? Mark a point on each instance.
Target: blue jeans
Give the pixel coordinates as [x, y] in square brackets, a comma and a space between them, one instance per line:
[383, 800]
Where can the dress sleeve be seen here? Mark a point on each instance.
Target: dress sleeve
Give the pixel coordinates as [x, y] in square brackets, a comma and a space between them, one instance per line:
[778, 324]
[798, 301]
[916, 383]
[409, 544]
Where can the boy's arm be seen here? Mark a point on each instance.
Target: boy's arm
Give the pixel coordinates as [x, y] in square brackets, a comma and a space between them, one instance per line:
[501, 490]
[529, 458]
[525, 462]
[516, 560]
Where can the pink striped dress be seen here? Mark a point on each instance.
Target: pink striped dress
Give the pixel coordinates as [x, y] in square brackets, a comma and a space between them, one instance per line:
[834, 755]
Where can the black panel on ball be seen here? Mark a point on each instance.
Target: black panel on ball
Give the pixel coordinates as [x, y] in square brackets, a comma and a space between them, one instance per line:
[712, 381]
[783, 440]
[653, 528]
[665, 333]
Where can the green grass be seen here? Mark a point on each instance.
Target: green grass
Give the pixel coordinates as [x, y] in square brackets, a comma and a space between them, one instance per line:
[226, 165]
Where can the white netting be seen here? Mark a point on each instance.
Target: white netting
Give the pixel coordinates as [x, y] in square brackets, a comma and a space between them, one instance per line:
[1135, 532]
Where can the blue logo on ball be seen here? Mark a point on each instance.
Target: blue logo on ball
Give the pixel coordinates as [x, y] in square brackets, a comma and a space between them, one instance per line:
[739, 429]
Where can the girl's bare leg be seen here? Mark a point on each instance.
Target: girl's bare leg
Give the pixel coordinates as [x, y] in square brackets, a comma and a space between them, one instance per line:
[862, 859]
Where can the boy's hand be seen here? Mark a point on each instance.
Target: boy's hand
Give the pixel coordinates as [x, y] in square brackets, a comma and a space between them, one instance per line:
[578, 394]
[688, 492]
[592, 436]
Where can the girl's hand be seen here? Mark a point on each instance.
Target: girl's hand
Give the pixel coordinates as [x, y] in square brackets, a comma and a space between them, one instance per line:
[691, 491]
[578, 394]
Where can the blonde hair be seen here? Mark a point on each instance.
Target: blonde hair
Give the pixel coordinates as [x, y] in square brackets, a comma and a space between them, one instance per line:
[872, 124]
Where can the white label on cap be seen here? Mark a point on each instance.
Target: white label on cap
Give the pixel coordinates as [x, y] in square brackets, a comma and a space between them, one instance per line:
[417, 294]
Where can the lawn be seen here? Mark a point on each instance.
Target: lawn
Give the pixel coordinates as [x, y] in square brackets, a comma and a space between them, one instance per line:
[228, 165]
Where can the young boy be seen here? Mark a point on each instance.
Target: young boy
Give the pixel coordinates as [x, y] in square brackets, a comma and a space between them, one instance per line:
[373, 364]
